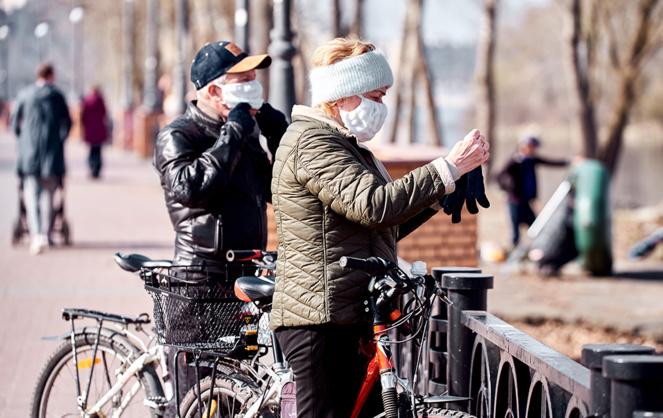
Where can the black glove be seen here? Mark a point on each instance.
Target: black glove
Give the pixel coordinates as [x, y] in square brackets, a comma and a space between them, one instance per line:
[272, 124]
[453, 202]
[271, 121]
[240, 114]
[475, 191]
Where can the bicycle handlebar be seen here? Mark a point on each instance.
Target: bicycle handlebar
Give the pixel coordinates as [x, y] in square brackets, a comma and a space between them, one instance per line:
[374, 266]
[247, 255]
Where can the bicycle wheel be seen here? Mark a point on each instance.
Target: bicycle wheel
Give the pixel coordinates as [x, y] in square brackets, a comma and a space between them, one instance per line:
[429, 412]
[55, 394]
[230, 398]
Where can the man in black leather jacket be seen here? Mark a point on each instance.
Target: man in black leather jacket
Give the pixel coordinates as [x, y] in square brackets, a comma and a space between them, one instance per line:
[214, 171]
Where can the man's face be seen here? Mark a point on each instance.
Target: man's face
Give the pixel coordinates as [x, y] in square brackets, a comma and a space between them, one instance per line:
[234, 78]
[528, 149]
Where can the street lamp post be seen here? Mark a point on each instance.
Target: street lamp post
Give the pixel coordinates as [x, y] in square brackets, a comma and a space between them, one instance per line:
[77, 85]
[128, 53]
[150, 101]
[41, 30]
[4, 73]
[126, 137]
[282, 76]
[179, 72]
[242, 24]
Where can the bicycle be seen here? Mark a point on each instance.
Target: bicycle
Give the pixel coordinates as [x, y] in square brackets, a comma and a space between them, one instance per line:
[252, 388]
[104, 372]
[100, 371]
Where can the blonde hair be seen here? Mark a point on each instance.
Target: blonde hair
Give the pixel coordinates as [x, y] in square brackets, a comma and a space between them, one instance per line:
[334, 51]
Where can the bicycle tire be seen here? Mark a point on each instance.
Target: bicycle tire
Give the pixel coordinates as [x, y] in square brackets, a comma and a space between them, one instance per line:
[55, 393]
[232, 398]
[430, 412]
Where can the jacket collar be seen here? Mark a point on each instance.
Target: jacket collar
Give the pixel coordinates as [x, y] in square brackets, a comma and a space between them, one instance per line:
[320, 116]
[202, 119]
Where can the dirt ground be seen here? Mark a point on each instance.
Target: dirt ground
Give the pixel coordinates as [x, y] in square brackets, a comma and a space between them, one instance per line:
[568, 337]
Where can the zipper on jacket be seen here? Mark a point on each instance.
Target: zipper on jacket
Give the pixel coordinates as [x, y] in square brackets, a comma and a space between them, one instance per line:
[324, 263]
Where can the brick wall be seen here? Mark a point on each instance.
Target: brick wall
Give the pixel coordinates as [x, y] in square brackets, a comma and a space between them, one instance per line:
[438, 242]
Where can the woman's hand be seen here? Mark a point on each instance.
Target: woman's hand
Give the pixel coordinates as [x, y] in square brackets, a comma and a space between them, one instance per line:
[470, 153]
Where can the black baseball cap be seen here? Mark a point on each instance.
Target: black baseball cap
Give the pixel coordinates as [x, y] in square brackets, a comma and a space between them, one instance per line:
[218, 58]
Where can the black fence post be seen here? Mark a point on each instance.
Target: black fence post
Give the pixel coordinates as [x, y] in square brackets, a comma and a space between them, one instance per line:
[282, 50]
[592, 358]
[437, 337]
[467, 291]
[636, 383]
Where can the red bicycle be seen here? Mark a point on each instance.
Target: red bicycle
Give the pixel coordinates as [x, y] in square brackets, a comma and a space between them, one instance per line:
[253, 387]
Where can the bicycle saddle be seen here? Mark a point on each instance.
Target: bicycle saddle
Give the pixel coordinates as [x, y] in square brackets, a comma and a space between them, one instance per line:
[134, 262]
[255, 289]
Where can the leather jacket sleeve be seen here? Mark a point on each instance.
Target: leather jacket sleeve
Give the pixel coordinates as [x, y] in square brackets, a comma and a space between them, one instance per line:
[193, 177]
[409, 226]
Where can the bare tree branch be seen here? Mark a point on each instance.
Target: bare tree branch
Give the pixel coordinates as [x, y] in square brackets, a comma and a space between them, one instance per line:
[625, 99]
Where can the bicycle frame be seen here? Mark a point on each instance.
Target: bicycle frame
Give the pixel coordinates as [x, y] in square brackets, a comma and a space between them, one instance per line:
[153, 353]
[380, 363]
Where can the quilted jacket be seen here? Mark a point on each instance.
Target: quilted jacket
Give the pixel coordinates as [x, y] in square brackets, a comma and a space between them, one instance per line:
[333, 198]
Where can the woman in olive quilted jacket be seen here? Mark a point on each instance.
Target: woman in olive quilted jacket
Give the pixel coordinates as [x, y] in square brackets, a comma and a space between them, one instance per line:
[332, 197]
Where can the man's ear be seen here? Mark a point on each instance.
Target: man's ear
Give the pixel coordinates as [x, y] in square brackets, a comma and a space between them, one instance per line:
[215, 93]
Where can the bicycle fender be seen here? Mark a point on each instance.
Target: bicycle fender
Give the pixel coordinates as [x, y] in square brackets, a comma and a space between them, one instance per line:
[106, 332]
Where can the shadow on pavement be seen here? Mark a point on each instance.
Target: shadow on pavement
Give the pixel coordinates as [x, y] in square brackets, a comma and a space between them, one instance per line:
[640, 275]
[113, 246]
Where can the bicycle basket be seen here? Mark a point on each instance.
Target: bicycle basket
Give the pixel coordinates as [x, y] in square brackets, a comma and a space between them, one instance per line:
[196, 305]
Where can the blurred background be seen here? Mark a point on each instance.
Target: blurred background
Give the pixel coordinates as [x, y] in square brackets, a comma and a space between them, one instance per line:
[581, 74]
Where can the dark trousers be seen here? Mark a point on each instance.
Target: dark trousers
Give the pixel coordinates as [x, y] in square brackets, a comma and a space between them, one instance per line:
[94, 160]
[519, 213]
[329, 369]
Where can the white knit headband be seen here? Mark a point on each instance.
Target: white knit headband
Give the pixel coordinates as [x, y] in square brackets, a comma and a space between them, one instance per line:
[350, 77]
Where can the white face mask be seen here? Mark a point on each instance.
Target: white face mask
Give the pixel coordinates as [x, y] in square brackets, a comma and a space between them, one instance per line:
[249, 92]
[366, 120]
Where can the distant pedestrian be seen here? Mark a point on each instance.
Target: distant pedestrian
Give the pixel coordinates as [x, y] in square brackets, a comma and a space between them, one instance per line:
[95, 128]
[518, 179]
[41, 121]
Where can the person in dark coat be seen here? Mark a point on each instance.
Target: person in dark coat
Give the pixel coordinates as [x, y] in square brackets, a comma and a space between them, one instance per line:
[95, 129]
[41, 121]
[518, 179]
[213, 168]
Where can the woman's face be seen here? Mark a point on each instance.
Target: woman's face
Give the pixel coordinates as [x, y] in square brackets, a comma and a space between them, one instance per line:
[350, 103]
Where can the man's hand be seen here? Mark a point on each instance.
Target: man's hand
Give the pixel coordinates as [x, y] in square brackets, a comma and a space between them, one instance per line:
[240, 115]
[271, 121]
[470, 153]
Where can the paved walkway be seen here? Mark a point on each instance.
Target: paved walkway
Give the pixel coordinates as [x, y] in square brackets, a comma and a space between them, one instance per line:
[124, 211]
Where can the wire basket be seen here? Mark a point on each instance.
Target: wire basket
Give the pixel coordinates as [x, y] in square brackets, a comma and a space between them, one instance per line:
[196, 305]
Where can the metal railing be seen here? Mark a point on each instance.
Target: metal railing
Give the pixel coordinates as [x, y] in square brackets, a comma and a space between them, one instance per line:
[509, 374]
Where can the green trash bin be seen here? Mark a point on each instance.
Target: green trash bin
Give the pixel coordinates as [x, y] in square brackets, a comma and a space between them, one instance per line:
[592, 218]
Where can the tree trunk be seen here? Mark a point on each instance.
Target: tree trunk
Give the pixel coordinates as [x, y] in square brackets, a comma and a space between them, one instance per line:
[262, 21]
[336, 18]
[356, 27]
[405, 73]
[580, 84]
[485, 119]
